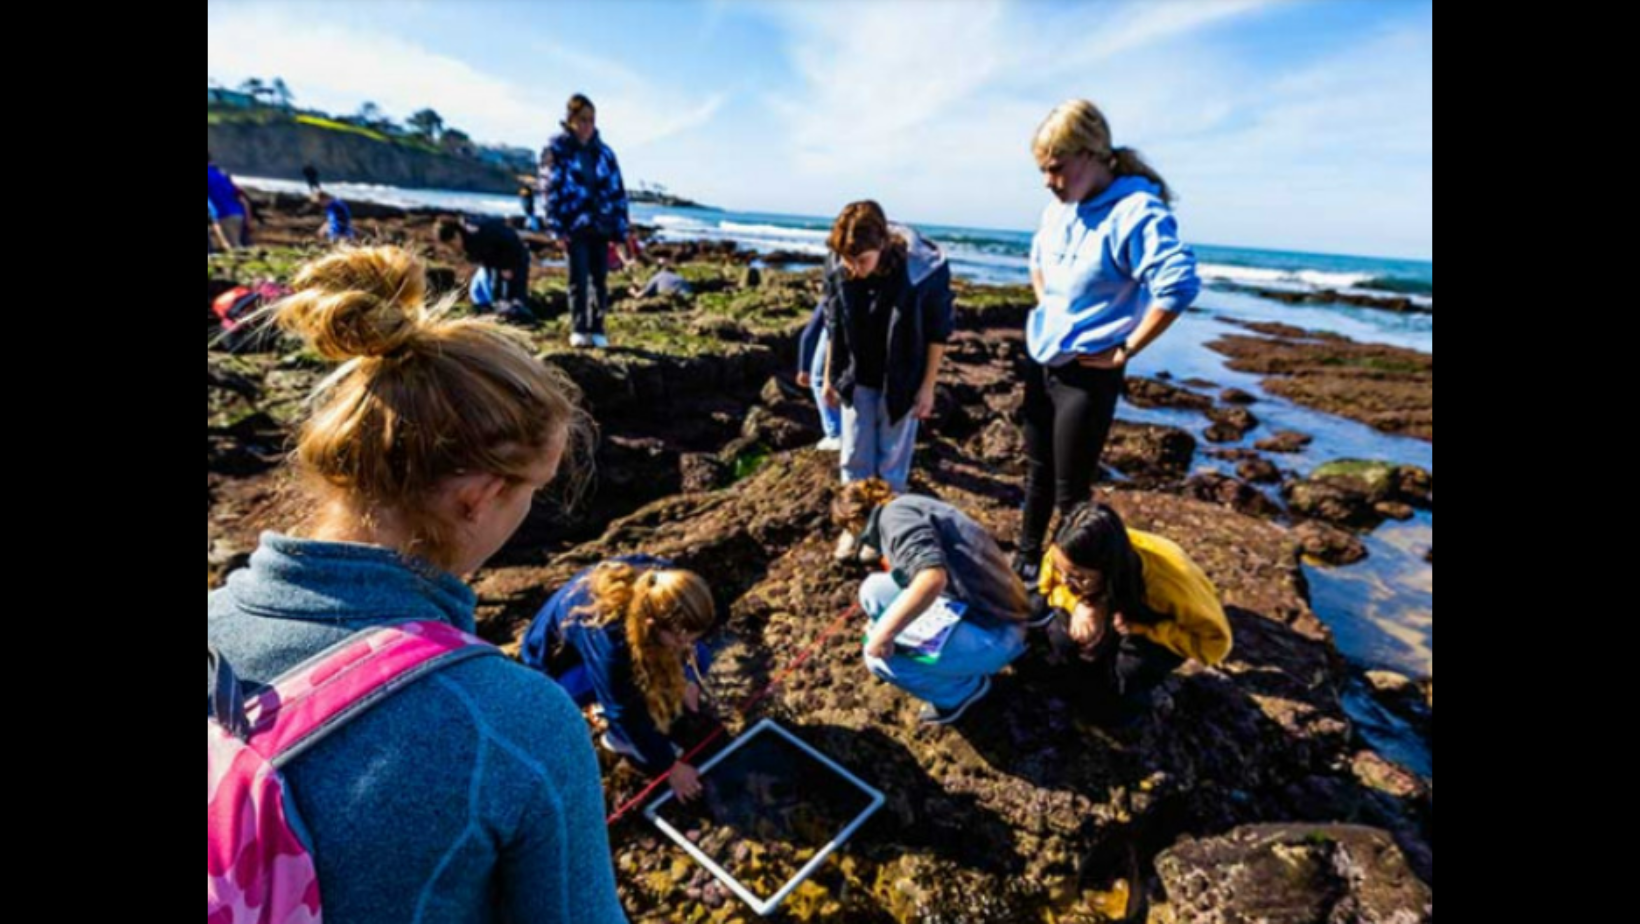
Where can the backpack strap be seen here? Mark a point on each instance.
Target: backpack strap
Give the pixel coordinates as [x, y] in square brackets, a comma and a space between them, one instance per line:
[306, 704]
[227, 704]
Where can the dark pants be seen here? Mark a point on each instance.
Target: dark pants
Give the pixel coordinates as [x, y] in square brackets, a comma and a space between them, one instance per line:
[588, 262]
[1068, 413]
[1117, 683]
[516, 289]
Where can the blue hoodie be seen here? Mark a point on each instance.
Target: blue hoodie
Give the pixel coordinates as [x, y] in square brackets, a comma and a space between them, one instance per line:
[1104, 263]
[583, 189]
[469, 797]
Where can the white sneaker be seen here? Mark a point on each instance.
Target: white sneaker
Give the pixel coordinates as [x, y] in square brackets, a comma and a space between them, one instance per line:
[847, 548]
[620, 748]
[580, 341]
[830, 444]
[599, 341]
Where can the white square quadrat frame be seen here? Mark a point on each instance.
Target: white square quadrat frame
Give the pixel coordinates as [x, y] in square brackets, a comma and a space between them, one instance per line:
[761, 906]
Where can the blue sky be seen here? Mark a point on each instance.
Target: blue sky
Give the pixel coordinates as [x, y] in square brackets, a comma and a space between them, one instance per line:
[1287, 124]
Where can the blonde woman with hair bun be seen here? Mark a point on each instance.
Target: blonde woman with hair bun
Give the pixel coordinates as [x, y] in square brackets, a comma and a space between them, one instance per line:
[470, 794]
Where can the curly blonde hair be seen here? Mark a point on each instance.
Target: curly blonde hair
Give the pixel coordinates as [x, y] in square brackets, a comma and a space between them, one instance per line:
[648, 602]
[854, 504]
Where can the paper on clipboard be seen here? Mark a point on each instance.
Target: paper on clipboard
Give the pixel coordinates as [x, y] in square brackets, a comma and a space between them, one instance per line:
[925, 638]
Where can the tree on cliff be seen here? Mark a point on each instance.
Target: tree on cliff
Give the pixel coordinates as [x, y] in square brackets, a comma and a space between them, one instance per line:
[370, 115]
[254, 88]
[427, 124]
[281, 92]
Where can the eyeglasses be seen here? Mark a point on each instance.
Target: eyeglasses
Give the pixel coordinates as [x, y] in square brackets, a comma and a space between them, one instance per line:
[1084, 586]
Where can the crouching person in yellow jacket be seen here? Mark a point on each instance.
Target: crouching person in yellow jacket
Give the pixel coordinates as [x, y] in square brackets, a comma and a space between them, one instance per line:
[1132, 607]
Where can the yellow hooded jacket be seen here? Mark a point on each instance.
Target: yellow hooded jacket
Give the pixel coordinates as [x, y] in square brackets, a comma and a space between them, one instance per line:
[1194, 624]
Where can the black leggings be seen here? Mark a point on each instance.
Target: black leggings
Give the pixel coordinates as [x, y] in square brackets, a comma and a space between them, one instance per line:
[1068, 413]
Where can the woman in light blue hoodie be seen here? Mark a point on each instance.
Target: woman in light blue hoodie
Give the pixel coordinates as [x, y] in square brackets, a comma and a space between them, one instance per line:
[1110, 276]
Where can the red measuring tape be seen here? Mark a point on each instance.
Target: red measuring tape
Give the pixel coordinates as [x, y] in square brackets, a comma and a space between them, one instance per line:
[742, 709]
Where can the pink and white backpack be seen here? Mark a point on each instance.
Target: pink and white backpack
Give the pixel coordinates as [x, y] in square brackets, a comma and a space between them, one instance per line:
[257, 870]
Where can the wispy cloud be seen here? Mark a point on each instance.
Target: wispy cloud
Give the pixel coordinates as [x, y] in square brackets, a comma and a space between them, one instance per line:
[874, 76]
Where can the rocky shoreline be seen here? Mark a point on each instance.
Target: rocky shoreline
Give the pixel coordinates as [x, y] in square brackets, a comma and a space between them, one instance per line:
[1025, 812]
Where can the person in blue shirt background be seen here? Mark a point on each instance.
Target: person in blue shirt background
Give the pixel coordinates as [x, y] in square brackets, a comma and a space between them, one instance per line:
[1111, 276]
[338, 217]
[619, 635]
[233, 208]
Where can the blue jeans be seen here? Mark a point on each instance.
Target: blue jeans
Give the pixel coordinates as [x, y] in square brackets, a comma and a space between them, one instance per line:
[873, 447]
[831, 419]
[971, 654]
[482, 289]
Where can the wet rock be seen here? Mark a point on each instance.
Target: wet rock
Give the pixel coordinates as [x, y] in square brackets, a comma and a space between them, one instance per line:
[1384, 776]
[1237, 396]
[1294, 874]
[1328, 544]
[1239, 496]
[1415, 486]
[1394, 510]
[701, 472]
[1150, 454]
[1233, 416]
[1221, 432]
[1258, 470]
[1360, 495]
[1151, 393]
[1287, 441]
[1389, 388]
[1331, 504]
[1411, 700]
[792, 258]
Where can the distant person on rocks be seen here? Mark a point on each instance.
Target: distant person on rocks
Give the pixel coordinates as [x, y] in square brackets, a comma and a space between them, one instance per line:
[338, 217]
[587, 210]
[233, 207]
[664, 282]
[502, 280]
